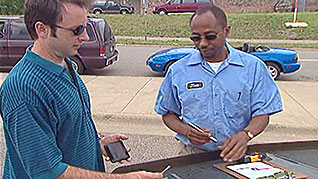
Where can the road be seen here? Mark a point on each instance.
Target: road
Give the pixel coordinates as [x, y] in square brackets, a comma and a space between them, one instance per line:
[132, 63]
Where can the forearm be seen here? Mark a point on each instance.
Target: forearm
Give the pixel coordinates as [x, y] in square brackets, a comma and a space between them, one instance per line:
[257, 124]
[79, 173]
[174, 123]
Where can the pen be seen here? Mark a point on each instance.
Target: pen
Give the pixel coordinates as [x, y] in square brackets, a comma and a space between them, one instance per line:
[200, 130]
[165, 169]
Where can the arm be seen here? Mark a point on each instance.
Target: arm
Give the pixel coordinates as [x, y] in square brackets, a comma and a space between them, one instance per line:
[174, 123]
[235, 147]
[79, 173]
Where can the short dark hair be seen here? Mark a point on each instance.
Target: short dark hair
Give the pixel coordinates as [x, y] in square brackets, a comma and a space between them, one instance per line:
[47, 11]
[215, 10]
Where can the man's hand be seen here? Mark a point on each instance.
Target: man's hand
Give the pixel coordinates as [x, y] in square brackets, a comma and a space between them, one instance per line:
[142, 175]
[110, 139]
[234, 147]
[198, 138]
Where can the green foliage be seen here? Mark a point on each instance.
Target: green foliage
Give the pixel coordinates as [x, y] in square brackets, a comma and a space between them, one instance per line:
[11, 7]
[235, 44]
[244, 25]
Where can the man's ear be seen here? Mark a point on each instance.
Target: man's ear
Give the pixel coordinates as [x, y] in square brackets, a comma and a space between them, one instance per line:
[42, 30]
[227, 30]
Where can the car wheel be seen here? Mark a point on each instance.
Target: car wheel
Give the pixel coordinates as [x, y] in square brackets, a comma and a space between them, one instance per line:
[124, 12]
[97, 12]
[162, 12]
[168, 66]
[274, 70]
[77, 64]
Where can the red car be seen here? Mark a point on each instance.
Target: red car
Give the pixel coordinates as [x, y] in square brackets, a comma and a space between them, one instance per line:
[181, 6]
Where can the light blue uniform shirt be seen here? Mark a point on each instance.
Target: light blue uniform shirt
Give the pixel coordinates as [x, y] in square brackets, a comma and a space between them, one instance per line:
[224, 101]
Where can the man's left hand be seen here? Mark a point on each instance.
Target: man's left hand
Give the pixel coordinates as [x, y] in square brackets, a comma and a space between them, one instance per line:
[110, 139]
[234, 147]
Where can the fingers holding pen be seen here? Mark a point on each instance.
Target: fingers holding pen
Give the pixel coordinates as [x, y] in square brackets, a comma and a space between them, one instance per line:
[196, 137]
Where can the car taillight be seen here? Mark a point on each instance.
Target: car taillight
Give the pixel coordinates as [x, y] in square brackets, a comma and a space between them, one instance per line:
[102, 51]
[295, 58]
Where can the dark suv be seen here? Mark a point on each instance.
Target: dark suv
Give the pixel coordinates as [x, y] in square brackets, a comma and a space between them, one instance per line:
[180, 6]
[111, 7]
[98, 52]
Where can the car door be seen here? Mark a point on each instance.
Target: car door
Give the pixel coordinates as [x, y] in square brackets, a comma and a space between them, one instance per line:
[174, 6]
[19, 40]
[188, 6]
[112, 7]
[3, 43]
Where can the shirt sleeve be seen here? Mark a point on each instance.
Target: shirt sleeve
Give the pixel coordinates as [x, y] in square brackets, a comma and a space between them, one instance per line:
[167, 99]
[31, 135]
[265, 97]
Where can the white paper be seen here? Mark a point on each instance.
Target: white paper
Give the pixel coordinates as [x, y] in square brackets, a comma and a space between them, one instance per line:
[254, 170]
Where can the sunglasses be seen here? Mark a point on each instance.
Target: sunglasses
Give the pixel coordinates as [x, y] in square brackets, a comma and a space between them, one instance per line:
[77, 31]
[196, 38]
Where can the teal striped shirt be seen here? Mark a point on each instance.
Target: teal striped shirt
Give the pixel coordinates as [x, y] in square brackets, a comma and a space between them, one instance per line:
[47, 121]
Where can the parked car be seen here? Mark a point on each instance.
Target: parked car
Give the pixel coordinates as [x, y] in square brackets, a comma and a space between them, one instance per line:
[98, 52]
[180, 6]
[278, 60]
[111, 7]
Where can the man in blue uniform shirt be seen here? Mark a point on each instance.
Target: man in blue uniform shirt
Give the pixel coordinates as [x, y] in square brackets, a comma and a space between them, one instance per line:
[227, 93]
[45, 105]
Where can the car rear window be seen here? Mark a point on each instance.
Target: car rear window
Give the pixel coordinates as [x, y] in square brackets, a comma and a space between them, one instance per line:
[101, 24]
[90, 32]
[18, 31]
[188, 1]
[203, 1]
[2, 29]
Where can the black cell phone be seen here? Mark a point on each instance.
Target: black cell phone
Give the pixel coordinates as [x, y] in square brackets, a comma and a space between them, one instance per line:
[116, 151]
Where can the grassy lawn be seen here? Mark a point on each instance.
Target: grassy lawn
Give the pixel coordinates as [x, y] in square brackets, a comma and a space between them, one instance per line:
[244, 25]
[189, 43]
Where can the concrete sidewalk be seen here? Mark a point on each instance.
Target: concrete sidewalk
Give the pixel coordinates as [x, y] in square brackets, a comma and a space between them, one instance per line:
[132, 99]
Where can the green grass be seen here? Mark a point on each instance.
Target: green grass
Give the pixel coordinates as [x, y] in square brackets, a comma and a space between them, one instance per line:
[189, 43]
[244, 25]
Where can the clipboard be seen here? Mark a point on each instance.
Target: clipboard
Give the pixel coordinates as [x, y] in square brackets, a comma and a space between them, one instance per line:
[223, 167]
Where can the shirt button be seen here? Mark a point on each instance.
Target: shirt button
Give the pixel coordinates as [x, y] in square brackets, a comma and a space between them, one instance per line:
[216, 95]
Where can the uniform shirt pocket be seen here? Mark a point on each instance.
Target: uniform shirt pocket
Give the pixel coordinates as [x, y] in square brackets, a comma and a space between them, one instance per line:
[195, 104]
[237, 107]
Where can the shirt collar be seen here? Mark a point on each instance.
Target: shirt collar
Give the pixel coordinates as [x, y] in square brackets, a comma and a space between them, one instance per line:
[48, 65]
[232, 58]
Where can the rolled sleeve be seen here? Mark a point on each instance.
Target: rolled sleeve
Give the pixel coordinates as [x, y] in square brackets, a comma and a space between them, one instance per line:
[266, 98]
[167, 100]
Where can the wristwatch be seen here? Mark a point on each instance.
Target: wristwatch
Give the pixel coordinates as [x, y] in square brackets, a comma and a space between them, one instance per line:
[248, 133]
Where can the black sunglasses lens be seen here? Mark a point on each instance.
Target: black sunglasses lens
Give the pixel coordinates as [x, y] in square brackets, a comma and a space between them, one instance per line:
[195, 38]
[79, 30]
[211, 37]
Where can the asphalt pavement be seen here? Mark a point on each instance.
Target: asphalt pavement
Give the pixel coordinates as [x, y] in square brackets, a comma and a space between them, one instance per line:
[126, 105]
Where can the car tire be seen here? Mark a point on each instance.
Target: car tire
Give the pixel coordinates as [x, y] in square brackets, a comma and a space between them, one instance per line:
[77, 64]
[162, 12]
[168, 66]
[124, 12]
[274, 70]
[97, 12]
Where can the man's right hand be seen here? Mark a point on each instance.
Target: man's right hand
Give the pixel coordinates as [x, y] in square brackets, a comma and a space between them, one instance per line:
[197, 137]
[142, 175]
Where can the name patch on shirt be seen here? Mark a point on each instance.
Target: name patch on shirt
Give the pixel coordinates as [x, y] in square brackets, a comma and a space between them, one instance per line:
[195, 85]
